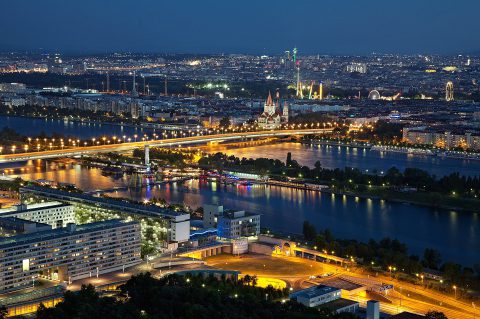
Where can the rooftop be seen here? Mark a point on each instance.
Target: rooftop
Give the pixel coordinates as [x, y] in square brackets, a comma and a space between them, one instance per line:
[314, 291]
[60, 232]
[31, 207]
[341, 284]
[233, 214]
[121, 205]
[338, 304]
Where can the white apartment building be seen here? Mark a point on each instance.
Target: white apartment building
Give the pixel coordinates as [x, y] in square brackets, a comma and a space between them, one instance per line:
[237, 224]
[69, 253]
[316, 295]
[55, 214]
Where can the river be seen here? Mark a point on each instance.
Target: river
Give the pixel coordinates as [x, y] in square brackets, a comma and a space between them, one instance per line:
[329, 156]
[455, 235]
[85, 130]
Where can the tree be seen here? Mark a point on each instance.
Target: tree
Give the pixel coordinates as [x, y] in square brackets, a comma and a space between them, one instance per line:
[431, 258]
[289, 159]
[3, 312]
[309, 231]
[225, 122]
[435, 315]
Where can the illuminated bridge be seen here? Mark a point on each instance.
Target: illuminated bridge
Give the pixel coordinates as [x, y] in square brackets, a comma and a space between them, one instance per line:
[78, 151]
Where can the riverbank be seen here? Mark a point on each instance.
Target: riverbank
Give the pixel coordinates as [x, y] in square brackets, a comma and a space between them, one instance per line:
[414, 186]
[140, 125]
[431, 200]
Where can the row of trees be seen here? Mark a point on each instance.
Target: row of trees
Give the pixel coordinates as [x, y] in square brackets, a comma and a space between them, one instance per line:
[192, 297]
[391, 252]
[349, 178]
[168, 156]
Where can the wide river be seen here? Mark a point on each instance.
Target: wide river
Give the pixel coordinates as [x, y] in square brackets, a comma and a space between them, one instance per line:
[456, 235]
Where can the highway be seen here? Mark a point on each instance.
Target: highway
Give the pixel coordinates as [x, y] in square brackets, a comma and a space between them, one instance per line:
[199, 139]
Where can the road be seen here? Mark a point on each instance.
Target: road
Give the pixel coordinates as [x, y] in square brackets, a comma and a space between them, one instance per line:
[78, 151]
[297, 272]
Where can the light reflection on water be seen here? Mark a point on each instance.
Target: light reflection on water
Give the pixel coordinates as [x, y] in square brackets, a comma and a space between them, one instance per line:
[285, 210]
[454, 234]
[340, 157]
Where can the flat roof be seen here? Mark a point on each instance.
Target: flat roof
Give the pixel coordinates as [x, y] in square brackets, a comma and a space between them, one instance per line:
[230, 214]
[120, 205]
[11, 221]
[314, 291]
[61, 232]
[338, 304]
[341, 284]
[32, 207]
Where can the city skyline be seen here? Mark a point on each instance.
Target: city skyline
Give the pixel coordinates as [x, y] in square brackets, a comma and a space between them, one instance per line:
[329, 27]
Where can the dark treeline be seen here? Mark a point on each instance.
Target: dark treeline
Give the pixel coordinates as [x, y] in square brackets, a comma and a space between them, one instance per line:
[382, 131]
[393, 253]
[166, 156]
[9, 136]
[350, 178]
[183, 297]
[60, 113]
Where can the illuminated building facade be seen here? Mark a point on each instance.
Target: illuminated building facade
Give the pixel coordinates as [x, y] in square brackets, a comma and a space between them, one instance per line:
[272, 118]
[443, 139]
[69, 253]
[55, 214]
[237, 224]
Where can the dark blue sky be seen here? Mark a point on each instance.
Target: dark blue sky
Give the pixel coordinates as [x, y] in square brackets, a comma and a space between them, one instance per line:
[248, 26]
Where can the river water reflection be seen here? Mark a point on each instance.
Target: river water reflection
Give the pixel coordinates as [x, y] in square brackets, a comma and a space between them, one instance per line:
[456, 235]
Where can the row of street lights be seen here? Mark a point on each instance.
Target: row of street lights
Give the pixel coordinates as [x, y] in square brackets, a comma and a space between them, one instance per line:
[39, 144]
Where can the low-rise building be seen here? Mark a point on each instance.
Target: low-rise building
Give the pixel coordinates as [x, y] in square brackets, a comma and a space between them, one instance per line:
[237, 224]
[316, 295]
[342, 305]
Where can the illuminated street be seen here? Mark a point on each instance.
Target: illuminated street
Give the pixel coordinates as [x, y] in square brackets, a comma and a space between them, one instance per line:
[77, 151]
[297, 273]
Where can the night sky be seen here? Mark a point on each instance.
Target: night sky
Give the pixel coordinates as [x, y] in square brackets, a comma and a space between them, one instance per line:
[241, 26]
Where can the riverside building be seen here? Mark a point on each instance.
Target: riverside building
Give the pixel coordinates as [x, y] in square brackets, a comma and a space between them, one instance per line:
[68, 253]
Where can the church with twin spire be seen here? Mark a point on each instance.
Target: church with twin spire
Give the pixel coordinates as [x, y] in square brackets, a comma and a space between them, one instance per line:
[274, 113]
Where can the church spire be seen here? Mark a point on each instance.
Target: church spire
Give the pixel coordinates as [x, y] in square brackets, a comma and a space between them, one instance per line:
[269, 99]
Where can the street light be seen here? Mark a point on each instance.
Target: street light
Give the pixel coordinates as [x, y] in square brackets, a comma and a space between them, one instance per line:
[455, 289]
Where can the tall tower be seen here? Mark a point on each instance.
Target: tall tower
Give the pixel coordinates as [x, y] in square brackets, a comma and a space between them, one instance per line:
[299, 85]
[108, 82]
[134, 88]
[285, 112]
[320, 91]
[449, 91]
[147, 155]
